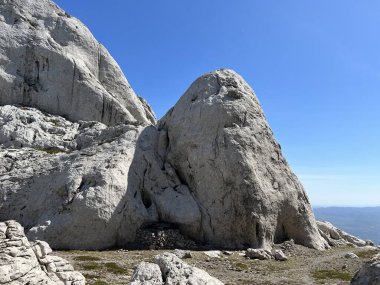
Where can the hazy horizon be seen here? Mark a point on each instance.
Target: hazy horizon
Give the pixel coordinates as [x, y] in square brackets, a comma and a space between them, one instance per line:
[314, 66]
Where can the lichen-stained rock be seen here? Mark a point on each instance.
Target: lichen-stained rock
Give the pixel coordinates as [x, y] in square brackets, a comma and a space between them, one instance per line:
[51, 61]
[369, 273]
[24, 263]
[67, 183]
[220, 145]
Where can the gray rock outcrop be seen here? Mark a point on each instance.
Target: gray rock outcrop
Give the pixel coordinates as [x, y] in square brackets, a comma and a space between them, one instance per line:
[214, 157]
[24, 263]
[67, 183]
[51, 61]
[369, 273]
[173, 270]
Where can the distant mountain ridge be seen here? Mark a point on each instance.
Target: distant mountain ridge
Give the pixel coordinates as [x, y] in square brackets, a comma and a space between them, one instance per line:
[363, 222]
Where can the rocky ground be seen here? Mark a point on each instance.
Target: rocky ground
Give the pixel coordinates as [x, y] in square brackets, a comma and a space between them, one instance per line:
[304, 266]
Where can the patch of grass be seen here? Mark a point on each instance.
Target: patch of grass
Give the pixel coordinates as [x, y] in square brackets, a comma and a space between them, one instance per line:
[367, 253]
[86, 258]
[90, 266]
[331, 274]
[240, 266]
[114, 268]
[91, 276]
[52, 150]
[100, 282]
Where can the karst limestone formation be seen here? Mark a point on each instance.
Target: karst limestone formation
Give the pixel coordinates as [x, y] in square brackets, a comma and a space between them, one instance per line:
[84, 165]
[51, 61]
[168, 269]
[22, 262]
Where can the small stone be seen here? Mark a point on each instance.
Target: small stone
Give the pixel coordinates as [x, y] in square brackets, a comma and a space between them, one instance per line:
[280, 255]
[258, 253]
[213, 253]
[351, 255]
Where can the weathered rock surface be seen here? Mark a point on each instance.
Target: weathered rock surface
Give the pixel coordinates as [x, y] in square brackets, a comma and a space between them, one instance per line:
[369, 273]
[147, 274]
[174, 271]
[51, 61]
[279, 255]
[211, 166]
[67, 183]
[214, 157]
[24, 263]
[258, 253]
[335, 236]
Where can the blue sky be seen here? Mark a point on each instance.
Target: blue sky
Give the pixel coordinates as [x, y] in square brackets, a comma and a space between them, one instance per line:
[315, 66]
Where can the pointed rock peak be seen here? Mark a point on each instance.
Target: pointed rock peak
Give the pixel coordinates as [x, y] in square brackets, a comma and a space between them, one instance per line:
[51, 61]
[222, 147]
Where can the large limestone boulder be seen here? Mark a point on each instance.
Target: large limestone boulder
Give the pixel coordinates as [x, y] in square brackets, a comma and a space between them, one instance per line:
[369, 273]
[173, 271]
[67, 183]
[214, 157]
[24, 263]
[51, 61]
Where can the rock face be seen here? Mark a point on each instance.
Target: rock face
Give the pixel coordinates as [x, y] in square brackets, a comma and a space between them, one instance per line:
[369, 273]
[50, 60]
[173, 270]
[222, 170]
[81, 168]
[67, 183]
[25, 263]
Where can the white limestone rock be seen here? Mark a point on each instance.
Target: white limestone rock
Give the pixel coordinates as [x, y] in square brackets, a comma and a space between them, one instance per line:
[369, 273]
[175, 271]
[168, 269]
[24, 263]
[68, 185]
[147, 274]
[335, 236]
[51, 61]
[218, 144]
[279, 255]
[258, 253]
[351, 255]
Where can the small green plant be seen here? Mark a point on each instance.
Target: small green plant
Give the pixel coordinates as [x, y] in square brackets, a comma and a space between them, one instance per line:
[52, 150]
[114, 268]
[86, 258]
[331, 274]
[367, 253]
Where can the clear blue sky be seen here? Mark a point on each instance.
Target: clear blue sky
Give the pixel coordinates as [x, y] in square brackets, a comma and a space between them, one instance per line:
[315, 66]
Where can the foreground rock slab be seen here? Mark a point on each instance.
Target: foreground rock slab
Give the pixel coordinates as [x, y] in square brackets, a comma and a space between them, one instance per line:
[22, 262]
[173, 270]
[369, 273]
